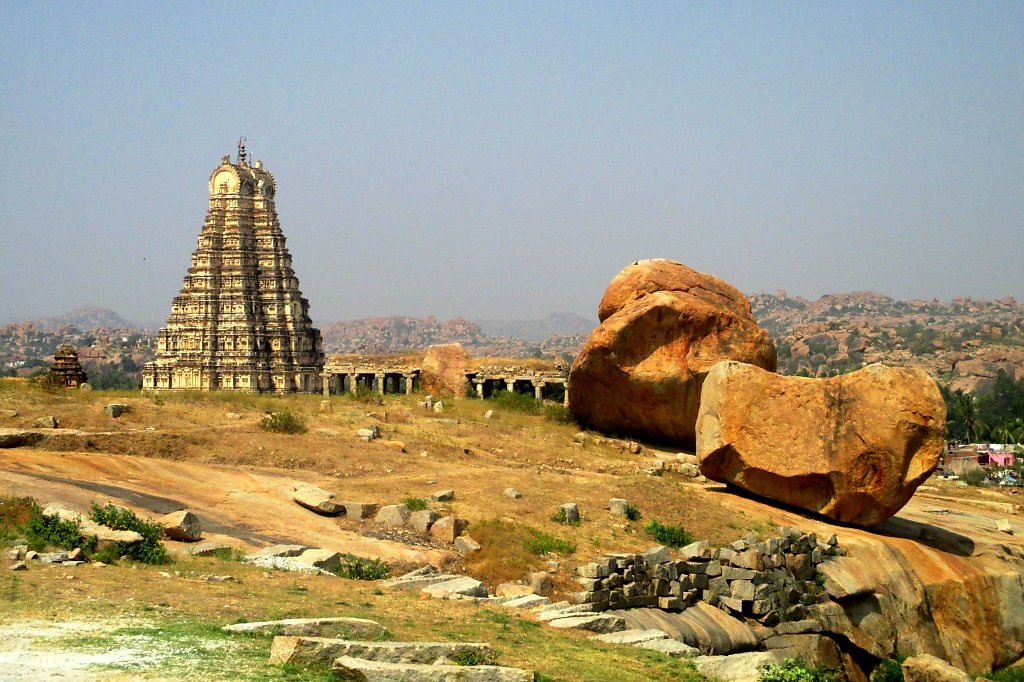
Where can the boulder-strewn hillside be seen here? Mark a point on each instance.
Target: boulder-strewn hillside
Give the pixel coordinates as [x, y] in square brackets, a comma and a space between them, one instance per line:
[963, 342]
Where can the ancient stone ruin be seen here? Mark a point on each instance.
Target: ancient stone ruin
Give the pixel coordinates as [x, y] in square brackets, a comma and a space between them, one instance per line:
[66, 367]
[240, 321]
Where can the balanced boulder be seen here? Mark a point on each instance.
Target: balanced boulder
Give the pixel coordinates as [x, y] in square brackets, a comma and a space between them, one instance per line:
[853, 447]
[663, 326]
[443, 371]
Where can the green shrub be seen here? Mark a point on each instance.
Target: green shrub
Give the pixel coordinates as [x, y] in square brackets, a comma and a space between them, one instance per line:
[150, 550]
[558, 413]
[631, 513]
[415, 503]
[795, 670]
[283, 422]
[668, 535]
[358, 568]
[108, 555]
[540, 543]
[1012, 674]
[887, 670]
[49, 530]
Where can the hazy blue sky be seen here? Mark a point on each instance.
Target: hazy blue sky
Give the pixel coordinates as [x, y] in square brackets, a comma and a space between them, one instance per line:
[505, 160]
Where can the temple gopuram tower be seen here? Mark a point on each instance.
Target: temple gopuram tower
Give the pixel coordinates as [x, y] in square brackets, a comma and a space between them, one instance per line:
[240, 321]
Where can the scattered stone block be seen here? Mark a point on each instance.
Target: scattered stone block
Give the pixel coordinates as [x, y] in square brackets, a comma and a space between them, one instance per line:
[421, 521]
[360, 669]
[326, 407]
[656, 555]
[570, 513]
[316, 499]
[392, 516]
[526, 601]
[443, 496]
[596, 622]
[447, 528]
[323, 650]
[1004, 526]
[928, 668]
[513, 590]
[115, 410]
[19, 566]
[512, 493]
[324, 559]
[464, 544]
[617, 506]
[182, 525]
[461, 586]
[540, 582]
[743, 667]
[351, 628]
[48, 422]
[635, 636]
[276, 551]
[360, 510]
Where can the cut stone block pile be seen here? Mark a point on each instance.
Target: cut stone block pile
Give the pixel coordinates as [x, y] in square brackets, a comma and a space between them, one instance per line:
[771, 581]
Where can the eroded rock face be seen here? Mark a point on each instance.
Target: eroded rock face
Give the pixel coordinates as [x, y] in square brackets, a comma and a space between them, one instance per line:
[852, 447]
[443, 371]
[663, 326]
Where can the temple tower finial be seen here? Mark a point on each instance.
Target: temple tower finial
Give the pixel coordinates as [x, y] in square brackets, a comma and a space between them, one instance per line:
[241, 151]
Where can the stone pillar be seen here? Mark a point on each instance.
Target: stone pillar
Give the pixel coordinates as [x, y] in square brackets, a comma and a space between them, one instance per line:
[538, 389]
[510, 384]
[479, 388]
[327, 384]
[409, 379]
[379, 380]
[353, 383]
[565, 393]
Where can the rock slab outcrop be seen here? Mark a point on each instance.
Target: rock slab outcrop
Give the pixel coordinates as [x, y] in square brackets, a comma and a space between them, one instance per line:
[853, 447]
[663, 326]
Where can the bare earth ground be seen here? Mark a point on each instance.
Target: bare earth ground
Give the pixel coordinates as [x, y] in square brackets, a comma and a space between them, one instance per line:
[208, 454]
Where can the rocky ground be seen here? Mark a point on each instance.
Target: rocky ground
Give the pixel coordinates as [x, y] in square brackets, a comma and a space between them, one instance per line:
[940, 577]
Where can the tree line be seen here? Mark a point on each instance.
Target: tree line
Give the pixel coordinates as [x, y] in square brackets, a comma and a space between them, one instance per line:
[995, 416]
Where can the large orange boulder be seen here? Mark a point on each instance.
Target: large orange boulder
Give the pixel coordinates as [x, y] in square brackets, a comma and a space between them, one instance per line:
[663, 326]
[853, 447]
[443, 371]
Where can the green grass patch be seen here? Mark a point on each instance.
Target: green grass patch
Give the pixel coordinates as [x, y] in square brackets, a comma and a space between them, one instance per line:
[631, 513]
[283, 421]
[415, 503]
[1013, 674]
[668, 535]
[540, 543]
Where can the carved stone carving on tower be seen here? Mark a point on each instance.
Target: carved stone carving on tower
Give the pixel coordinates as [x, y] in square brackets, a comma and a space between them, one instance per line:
[240, 321]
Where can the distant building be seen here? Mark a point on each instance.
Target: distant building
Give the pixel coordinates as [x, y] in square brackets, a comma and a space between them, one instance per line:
[240, 321]
[66, 367]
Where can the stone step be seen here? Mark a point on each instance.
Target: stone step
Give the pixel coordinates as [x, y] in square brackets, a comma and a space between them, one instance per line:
[562, 610]
[461, 586]
[594, 622]
[323, 650]
[635, 636]
[360, 669]
[420, 581]
[527, 601]
[314, 627]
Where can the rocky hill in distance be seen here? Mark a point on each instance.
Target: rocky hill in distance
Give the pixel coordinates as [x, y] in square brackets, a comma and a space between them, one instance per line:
[963, 343]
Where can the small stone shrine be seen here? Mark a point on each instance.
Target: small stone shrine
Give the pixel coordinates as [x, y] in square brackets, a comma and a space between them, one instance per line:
[66, 367]
[240, 321]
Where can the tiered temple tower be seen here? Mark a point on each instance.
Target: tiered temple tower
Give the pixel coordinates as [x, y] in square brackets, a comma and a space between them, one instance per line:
[66, 367]
[240, 321]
